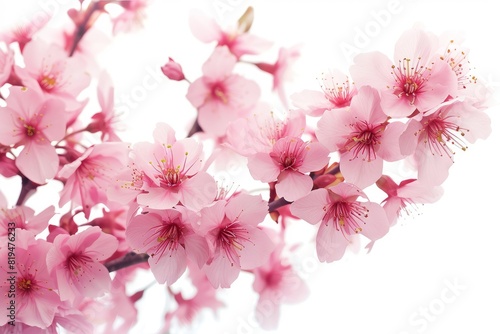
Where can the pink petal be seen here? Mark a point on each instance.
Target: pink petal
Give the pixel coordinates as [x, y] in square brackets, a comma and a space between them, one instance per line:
[140, 230]
[169, 266]
[38, 162]
[212, 216]
[203, 27]
[221, 272]
[414, 44]
[433, 169]
[197, 249]
[214, 117]
[248, 209]
[373, 69]
[198, 191]
[395, 106]
[53, 123]
[164, 134]
[376, 224]
[249, 44]
[198, 92]
[255, 252]
[409, 138]
[330, 243]
[441, 83]
[263, 168]
[293, 185]
[220, 64]
[333, 127]
[311, 208]
[242, 92]
[267, 313]
[360, 172]
[313, 103]
[159, 198]
[390, 148]
[316, 158]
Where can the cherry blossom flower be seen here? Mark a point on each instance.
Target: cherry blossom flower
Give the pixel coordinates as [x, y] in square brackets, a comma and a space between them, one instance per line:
[280, 70]
[50, 71]
[87, 178]
[219, 95]
[276, 283]
[35, 291]
[432, 140]
[237, 39]
[105, 120]
[168, 237]
[235, 240]
[33, 121]
[74, 262]
[24, 218]
[261, 130]
[363, 137]
[287, 164]
[337, 93]
[418, 80]
[188, 308]
[132, 17]
[22, 34]
[172, 173]
[403, 198]
[342, 218]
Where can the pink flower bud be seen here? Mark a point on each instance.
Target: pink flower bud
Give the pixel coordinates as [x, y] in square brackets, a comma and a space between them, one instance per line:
[173, 70]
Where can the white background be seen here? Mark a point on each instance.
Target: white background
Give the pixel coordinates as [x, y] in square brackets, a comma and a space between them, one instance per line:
[454, 241]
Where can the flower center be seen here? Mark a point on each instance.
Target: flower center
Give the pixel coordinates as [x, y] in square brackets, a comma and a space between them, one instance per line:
[24, 284]
[439, 132]
[48, 82]
[218, 93]
[364, 140]
[76, 263]
[289, 152]
[339, 95]
[30, 130]
[231, 238]
[409, 79]
[347, 217]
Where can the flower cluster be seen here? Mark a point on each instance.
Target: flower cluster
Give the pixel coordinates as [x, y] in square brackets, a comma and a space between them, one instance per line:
[158, 206]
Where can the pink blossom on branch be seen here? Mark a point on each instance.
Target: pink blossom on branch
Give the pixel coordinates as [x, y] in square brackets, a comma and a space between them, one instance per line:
[75, 263]
[363, 137]
[418, 80]
[219, 95]
[337, 93]
[238, 41]
[88, 177]
[170, 240]
[277, 283]
[171, 172]
[342, 218]
[403, 197]
[261, 130]
[31, 120]
[287, 164]
[35, 294]
[235, 240]
[105, 120]
[49, 70]
[432, 141]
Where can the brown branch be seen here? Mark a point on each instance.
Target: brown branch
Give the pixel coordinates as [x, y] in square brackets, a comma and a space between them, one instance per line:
[127, 260]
